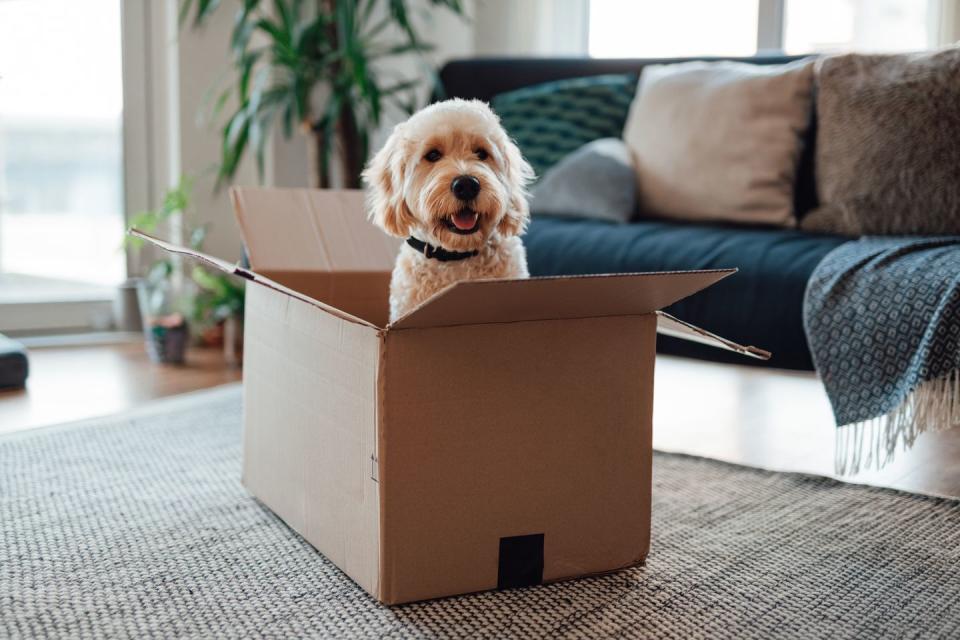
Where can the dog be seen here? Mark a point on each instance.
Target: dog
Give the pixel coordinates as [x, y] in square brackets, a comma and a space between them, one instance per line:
[453, 184]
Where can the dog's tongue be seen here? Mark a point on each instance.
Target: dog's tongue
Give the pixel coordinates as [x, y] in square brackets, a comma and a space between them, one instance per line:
[465, 220]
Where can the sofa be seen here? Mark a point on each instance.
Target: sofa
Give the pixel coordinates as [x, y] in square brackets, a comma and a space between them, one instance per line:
[761, 305]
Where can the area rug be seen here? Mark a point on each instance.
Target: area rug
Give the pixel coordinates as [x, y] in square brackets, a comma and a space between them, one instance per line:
[137, 526]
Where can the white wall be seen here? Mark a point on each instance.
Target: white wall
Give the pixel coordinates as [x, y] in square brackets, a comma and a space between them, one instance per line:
[202, 62]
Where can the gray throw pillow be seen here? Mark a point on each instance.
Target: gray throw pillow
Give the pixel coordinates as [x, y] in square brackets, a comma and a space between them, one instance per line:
[595, 181]
[888, 144]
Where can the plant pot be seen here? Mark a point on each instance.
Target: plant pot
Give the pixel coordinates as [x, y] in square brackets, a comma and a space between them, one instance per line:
[165, 331]
[167, 343]
[233, 341]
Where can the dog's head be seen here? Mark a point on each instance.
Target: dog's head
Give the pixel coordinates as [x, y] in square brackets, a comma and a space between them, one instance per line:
[451, 176]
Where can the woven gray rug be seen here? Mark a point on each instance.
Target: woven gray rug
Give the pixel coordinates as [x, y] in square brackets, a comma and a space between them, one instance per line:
[137, 526]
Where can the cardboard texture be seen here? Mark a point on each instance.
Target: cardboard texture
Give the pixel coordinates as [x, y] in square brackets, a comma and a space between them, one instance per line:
[499, 435]
[491, 431]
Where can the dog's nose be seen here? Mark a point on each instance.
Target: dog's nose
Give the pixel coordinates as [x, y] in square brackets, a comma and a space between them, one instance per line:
[465, 187]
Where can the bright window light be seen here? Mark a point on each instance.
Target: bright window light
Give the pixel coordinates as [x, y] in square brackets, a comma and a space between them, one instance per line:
[61, 171]
[859, 25]
[658, 29]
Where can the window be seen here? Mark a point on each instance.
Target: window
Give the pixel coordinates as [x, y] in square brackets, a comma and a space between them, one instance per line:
[657, 29]
[859, 25]
[61, 165]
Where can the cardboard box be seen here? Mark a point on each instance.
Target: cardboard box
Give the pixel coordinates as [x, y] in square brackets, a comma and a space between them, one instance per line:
[497, 436]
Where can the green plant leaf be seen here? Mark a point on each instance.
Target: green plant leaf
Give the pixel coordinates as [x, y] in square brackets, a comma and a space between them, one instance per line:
[243, 28]
[234, 143]
[288, 119]
[219, 298]
[400, 49]
[177, 199]
[160, 270]
[246, 67]
[204, 8]
[198, 236]
[400, 86]
[285, 11]
[185, 7]
[278, 36]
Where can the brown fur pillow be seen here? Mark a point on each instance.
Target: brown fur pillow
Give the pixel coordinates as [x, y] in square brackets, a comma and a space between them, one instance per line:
[888, 144]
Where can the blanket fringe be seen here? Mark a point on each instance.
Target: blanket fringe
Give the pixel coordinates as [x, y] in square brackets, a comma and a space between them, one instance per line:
[933, 406]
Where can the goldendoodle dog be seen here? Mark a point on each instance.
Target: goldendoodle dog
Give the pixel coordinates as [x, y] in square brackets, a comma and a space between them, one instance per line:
[452, 183]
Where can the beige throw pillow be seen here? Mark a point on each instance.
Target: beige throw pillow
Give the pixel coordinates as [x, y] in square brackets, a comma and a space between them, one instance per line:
[720, 141]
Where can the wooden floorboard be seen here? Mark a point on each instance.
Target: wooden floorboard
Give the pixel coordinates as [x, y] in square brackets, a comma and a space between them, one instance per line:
[780, 420]
[771, 419]
[74, 383]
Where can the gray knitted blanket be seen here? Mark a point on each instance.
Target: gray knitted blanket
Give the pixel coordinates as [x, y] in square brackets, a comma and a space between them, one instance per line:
[882, 317]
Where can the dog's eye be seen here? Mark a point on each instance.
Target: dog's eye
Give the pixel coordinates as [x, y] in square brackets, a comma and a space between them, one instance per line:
[433, 155]
[481, 154]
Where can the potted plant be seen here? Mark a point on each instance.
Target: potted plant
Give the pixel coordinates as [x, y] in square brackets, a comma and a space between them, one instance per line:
[317, 66]
[217, 309]
[169, 296]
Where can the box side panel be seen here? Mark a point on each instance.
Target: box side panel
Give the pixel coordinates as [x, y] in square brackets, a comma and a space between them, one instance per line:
[556, 297]
[498, 434]
[310, 426]
[311, 230]
[363, 294]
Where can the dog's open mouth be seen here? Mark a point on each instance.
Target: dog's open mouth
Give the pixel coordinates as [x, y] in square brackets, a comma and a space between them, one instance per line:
[463, 222]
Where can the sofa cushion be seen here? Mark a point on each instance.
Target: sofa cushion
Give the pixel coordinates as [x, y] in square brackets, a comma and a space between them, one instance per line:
[720, 141]
[888, 157]
[486, 78]
[550, 120]
[595, 181]
[761, 305]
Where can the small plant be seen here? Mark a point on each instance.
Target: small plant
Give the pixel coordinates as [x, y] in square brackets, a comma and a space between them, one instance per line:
[206, 297]
[218, 297]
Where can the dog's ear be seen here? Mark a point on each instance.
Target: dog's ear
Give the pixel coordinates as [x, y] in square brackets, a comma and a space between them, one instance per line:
[519, 175]
[384, 177]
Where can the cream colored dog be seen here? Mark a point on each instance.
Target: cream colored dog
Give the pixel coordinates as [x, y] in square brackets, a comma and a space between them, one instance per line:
[452, 183]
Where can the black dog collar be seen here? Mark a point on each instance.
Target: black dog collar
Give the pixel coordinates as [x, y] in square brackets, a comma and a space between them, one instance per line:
[439, 253]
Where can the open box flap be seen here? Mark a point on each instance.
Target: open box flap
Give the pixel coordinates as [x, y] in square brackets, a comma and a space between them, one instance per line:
[310, 230]
[669, 326]
[237, 270]
[553, 298]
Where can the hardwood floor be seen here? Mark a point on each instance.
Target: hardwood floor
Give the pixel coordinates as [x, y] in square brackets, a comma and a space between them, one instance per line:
[73, 383]
[779, 420]
[770, 419]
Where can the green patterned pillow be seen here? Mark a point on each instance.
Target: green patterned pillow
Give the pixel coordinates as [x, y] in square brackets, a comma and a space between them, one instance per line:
[549, 121]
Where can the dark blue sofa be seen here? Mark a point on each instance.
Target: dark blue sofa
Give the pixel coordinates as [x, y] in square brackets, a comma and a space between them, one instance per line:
[760, 305]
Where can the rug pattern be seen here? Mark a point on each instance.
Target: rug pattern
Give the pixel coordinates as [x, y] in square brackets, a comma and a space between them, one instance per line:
[139, 527]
